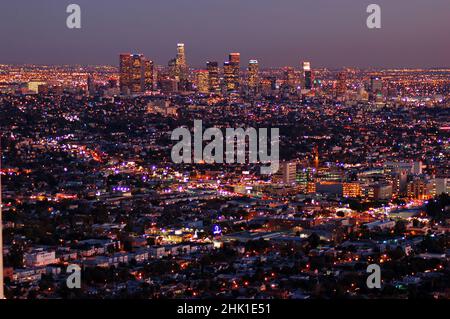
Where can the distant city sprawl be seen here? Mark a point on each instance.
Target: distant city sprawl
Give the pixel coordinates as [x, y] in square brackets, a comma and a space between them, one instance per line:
[232, 181]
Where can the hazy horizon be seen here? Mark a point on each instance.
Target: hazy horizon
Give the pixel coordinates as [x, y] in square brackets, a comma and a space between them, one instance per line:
[328, 33]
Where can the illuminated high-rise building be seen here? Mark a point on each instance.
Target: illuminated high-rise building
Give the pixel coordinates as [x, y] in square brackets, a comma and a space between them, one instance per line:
[202, 81]
[213, 77]
[182, 67]
[132, 73]
[179, 70]
[232, 70]
[307, 75]
[181, 54]
[228, 77]
[253, 76]
[235, 58]
[149, 75]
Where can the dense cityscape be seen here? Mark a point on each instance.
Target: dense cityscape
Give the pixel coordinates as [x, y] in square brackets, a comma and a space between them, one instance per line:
[88, 180]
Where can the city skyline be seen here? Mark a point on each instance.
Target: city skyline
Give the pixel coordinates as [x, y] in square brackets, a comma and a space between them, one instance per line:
[331, 35]
[223, 151]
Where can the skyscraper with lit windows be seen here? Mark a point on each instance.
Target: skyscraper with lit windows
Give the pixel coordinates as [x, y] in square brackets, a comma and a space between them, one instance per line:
[132, 73]
[307, 75]
[253, 77]
[228, 77]
[213, 77]
[235, 58]
[232, 69]
[202, 81]
[235, 61]
[149, 74]
[182, 67]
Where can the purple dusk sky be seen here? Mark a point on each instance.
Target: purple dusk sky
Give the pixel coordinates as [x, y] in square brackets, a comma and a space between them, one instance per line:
[331, 33]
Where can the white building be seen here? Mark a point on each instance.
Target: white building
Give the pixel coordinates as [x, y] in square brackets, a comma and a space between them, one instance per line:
[39, 257]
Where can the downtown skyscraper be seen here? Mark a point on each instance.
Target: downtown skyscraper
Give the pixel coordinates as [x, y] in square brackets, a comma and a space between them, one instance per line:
[136, 73]
[149, 75]
[132, 73]
[213, 77]
[179, 70]
[307, 75]
[202, 81]
[231, 70]
[182, 67]
[253, 77]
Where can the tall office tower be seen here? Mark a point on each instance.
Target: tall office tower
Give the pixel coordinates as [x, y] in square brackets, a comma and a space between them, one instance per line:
[213, 77]
[235, 62]
[307, 75]
[148, 75]
[228, 77]
[182, 67]
[235, 58]
[376, 84]
[202, 81]
[341, 85]
[132, 73]
[2, 292]
[253, 76]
